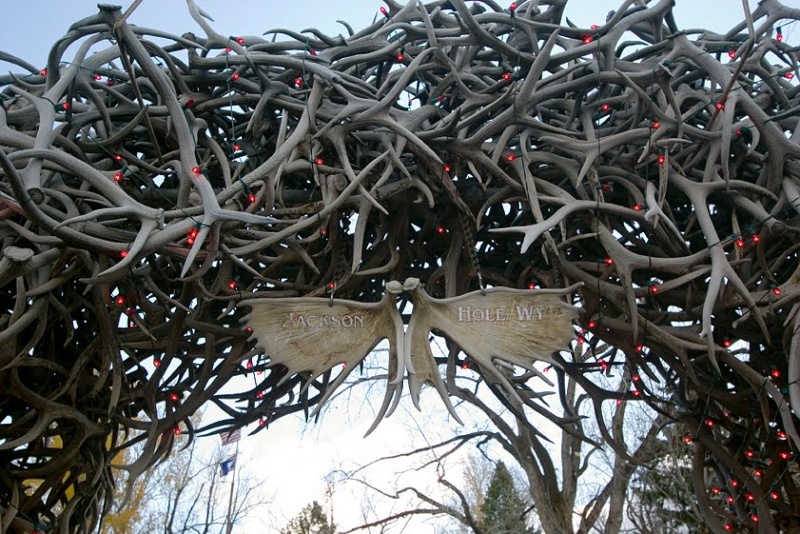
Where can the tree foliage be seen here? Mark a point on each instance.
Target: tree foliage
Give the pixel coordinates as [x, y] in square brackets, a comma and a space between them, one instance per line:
[311, 520]
[503, 510]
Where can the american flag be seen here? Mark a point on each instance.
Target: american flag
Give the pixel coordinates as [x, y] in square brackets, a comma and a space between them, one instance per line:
[231, 437]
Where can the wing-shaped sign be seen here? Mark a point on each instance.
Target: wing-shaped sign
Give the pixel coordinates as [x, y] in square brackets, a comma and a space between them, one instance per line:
[496, 325]
[310, 334]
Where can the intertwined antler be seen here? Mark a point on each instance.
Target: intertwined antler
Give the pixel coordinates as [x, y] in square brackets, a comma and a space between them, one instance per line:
[147, 189]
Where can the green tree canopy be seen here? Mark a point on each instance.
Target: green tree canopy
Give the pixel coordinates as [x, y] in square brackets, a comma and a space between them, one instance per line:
[311, 520]
[503, 511]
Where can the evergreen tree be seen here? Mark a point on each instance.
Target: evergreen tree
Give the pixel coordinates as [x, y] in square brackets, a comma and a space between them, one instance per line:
[311, 520]
[503, 511]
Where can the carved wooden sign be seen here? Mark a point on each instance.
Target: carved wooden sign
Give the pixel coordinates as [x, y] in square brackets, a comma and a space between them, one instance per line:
[494, 326]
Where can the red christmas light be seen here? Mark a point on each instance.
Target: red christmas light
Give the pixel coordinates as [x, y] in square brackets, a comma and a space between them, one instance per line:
[120, 300]
[400, 57]
[248, 330]
[177, 431]
[774, 495]
[447, 168]
[730, 499]
[655, 125]
[117, 157]
[190, 103]
[234, 76]
[636, 377]
[592, 324]
[728, 527]
[653, 289]
[785, 455]
[637, 207]
[789, 75]
[756, 238]
[758, 472]
[749, 453]
[440, 230]
[734, 483]
[262, 422]
[636, 393]
[776, 291]
[778, 37]
[661, 159]
[193, 232]
[123, 254]
[43, 72]
[619, 402]
[156, 362]
[587, 39]
[719, 105]
[298, 82]
[604, 107]
[331, 285]
[324, 231]
[710, 423]
[726, 343]
[465, 365]
[608, 261]
[97, 77]
[319, 161]
[511, 157]
[594, 26]
[716, 491]
[251, 197]
[232, 285]
[249, 365]
[506, 76]
[732, 53]
[687, 439]
[228, 50]
[197, 170]
[754, 517]
[65, 106]
[260, 395]
[781, 434]
[118, 177]
[776, 373]
[532, 285]
[236, 147]
[639, 347]
[240, 40]
[174, 397]
[513, 7]
[581, 339]
[384, 12]
[110, 82]
[740, 242]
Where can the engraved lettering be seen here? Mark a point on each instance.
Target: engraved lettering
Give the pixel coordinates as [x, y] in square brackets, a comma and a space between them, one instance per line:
[501, 315]
[478, 317]
[527, 313]
[350, 320]
[523, 313]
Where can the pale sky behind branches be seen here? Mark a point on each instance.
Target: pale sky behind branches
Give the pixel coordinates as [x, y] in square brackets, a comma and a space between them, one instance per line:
[291, 457]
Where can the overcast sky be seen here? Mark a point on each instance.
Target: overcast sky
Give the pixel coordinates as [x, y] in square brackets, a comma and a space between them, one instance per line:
[292, 466]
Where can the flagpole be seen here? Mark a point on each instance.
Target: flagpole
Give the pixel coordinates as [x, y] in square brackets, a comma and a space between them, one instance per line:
[228, 524]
